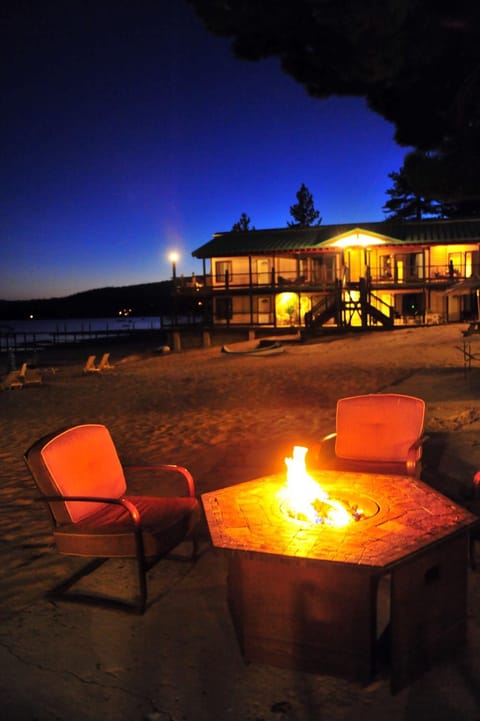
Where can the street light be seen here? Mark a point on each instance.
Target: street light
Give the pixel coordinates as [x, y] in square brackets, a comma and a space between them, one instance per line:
[173, 258]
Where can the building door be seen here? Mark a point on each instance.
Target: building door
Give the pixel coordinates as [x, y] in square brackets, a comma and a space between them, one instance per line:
[263, 271]
[264, 310]
[355, 264]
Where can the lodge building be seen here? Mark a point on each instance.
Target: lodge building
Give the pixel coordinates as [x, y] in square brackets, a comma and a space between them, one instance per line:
[370, 274]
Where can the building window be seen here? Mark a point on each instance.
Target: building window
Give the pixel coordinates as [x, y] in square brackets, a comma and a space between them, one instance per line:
[223, 308]
[386, 267]
[455, 264]
[222, 268]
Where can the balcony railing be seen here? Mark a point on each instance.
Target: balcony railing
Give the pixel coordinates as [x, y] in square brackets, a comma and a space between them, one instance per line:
[378, 277]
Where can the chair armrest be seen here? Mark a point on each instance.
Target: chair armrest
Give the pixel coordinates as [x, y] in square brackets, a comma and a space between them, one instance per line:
[412, 455]
[127, 504]
[328, 437]
[476, 486]
[169, 467]
[419, 442]
[316, 450]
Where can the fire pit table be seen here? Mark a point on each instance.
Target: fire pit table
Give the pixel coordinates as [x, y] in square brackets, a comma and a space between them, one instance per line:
[310, 597]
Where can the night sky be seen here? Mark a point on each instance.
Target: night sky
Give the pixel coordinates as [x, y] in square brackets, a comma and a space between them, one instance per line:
[129, 131]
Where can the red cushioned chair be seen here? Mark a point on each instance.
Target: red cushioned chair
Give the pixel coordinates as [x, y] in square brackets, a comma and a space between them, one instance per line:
[82, 481]
[377, 433]
[473, 506]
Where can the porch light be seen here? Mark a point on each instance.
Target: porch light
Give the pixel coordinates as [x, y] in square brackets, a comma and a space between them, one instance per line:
[360, 240]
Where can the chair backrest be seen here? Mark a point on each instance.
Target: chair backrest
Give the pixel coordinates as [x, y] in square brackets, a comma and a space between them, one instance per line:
[378, 427]
[104, 362]
[90, 363]
[78, 461]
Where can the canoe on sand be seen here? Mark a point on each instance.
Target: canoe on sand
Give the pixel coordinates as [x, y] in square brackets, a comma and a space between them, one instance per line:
[262, 349]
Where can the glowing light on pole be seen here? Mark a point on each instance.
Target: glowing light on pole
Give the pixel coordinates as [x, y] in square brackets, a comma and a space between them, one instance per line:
[173, 258]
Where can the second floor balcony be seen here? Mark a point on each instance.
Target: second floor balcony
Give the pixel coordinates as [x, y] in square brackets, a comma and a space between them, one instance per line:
[326, 278]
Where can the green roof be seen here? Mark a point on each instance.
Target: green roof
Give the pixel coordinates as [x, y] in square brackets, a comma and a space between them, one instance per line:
[278, 240]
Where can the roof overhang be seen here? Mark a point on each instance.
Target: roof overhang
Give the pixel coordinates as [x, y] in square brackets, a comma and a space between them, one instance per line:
[359, 238]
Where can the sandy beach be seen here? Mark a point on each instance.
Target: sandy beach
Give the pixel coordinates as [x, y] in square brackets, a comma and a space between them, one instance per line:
[229, 419]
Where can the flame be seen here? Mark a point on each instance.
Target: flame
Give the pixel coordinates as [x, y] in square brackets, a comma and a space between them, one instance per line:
[306, 499]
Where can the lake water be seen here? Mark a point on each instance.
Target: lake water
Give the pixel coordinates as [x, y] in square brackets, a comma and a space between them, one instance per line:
[27, 334]
[71, 325]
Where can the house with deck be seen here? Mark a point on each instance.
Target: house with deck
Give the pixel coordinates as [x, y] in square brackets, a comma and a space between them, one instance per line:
[381, 274]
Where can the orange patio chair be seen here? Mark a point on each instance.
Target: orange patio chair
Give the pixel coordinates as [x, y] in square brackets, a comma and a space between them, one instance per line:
[82, 481]
[473, 506]
[378, 433]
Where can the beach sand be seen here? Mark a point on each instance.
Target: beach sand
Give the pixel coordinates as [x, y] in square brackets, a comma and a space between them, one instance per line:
[229, 419]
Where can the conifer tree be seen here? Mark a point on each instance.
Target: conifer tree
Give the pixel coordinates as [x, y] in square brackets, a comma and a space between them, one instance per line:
[303, 211]
[420, 73]
[405, 203]
[243, 224]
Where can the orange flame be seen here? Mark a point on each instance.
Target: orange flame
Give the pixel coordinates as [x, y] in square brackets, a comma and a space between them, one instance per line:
[304, 497]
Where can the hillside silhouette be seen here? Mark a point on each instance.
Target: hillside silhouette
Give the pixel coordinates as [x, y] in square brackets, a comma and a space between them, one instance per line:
[148, 299]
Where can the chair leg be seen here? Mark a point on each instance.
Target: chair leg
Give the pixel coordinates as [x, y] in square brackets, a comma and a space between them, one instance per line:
[61, 588]
[142, 585]
[195, 548]
[139, 605]
[60, 591]
[142, 571]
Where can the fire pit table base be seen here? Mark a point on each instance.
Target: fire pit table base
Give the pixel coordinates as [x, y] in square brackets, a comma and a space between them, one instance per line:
[303, 617]
[385, 593]
[323, 618]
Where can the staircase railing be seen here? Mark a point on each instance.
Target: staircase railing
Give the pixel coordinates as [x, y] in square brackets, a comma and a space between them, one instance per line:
[343, 307]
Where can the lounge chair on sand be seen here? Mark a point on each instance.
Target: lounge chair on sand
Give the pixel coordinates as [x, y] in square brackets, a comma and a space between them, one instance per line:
[90, 366]
[11, 381]
[105, 362]
[30, 376]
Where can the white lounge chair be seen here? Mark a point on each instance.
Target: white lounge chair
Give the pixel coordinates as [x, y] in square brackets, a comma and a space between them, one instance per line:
[30, 376]
[90, 366]
[105, 362]
[11, 381]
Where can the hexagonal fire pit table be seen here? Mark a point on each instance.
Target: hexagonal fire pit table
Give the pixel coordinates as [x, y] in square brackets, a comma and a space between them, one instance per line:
[389, 588]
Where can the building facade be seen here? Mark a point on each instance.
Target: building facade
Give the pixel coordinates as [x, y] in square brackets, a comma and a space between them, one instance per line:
[383, 273]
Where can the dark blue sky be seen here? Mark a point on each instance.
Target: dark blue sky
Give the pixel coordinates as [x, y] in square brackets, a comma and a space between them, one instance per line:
[129, 131]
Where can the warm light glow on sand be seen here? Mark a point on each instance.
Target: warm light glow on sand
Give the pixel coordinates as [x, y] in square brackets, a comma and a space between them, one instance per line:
[305, 499]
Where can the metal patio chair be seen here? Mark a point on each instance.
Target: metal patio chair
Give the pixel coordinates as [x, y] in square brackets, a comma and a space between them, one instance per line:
[378, 433]
[473, 505]
[82, 481]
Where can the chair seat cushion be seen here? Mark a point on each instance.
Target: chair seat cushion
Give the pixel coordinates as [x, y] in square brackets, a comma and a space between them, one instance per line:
[165, 522]
[324, 457]
[354, 466]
